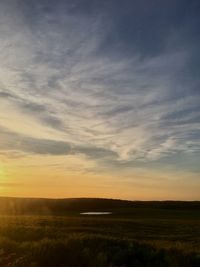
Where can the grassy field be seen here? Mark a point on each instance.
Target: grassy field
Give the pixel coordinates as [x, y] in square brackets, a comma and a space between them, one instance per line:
[136, 234]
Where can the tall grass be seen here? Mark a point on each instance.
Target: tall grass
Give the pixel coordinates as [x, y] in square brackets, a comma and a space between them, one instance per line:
[90, 251]
[136, 234]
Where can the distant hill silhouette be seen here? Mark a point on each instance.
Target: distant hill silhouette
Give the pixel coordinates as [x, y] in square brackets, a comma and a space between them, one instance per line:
[18, 206]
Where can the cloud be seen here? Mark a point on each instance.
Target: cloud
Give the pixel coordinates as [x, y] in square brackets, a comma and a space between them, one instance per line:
[11, 141]
[14, 141]
[99, 81]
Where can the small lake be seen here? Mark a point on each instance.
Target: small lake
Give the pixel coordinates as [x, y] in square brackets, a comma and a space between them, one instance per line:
[96, 213]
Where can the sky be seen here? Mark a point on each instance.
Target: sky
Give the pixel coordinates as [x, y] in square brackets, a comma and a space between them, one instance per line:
[100, 99]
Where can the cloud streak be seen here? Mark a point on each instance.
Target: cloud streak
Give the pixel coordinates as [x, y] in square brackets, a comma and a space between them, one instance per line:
[116, 99]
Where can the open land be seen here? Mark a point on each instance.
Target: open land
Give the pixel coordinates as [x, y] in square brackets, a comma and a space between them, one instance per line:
[53, 233]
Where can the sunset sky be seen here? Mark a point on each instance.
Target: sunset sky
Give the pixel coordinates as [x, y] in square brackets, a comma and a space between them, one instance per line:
[100, 99]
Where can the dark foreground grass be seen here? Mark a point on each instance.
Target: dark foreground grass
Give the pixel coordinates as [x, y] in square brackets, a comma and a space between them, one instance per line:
[107, 241]
[91, 251]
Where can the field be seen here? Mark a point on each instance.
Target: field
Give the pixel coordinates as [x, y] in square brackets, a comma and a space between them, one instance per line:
[135, 234]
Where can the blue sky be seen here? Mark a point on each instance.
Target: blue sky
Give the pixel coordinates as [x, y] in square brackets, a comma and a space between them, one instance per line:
[113, 84]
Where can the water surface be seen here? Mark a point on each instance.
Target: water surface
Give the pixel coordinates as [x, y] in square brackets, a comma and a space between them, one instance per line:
[96, 213]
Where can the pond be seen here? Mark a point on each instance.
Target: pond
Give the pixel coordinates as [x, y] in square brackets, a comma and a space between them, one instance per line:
[96, 213]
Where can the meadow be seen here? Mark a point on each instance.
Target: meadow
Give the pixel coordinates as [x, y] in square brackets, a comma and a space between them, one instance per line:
[53, 233]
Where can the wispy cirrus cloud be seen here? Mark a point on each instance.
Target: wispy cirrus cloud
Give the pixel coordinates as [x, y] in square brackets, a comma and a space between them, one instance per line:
[59, 73]
[11, 141]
